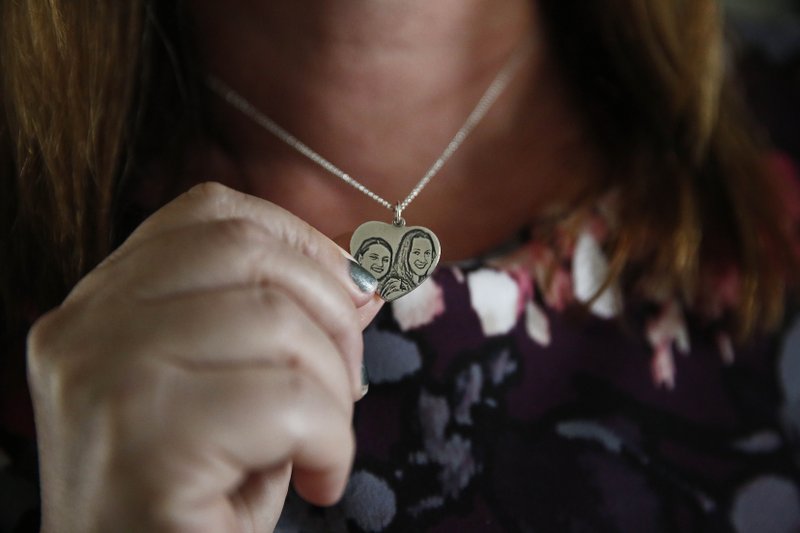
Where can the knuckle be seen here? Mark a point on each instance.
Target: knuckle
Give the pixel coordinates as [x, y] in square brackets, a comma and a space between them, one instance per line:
[241, 233]
[42, 341]
[301, 385]
[59, 363]
[304, 238]
[211, 198]
[284, 316]
[296, 360]
[209, 192]
[309, 239]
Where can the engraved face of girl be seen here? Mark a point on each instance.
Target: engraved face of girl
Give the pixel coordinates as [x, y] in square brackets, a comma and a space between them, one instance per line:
[376, 258]
[421, 255]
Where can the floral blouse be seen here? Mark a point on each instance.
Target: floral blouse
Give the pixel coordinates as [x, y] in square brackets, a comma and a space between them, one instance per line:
[493, 406]
[496, 405]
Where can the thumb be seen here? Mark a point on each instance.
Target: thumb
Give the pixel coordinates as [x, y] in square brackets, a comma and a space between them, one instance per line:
[368, 310]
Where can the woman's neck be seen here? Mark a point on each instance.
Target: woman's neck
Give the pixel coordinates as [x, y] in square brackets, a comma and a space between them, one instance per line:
[367, 82]
[379, 87]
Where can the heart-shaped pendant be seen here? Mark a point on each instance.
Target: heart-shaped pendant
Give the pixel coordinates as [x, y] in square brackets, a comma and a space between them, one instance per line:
[400, 257]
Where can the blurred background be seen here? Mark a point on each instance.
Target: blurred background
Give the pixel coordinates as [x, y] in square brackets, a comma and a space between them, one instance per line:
[771, 25]
[765, 40]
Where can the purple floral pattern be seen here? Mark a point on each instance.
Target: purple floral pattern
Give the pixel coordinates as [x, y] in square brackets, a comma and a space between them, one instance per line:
[493, 408]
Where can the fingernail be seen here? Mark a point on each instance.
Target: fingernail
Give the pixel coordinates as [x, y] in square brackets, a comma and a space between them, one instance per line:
[364, 380]
[365, 281]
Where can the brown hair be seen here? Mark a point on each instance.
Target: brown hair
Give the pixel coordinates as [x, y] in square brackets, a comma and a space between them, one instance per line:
[67, 71]
[695, 197]
[76, 77]
[90, 88]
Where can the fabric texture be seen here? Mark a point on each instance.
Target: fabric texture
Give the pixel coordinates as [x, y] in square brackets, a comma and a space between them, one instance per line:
[494, 406]
[506, 395]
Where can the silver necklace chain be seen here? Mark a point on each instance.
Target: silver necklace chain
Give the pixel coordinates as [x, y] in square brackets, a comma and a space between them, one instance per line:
[495, 89]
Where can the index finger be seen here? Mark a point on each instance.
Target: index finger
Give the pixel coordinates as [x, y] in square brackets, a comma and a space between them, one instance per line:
[213, 201]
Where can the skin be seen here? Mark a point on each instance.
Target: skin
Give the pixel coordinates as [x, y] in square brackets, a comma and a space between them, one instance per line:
[351, 75]
[215, 356]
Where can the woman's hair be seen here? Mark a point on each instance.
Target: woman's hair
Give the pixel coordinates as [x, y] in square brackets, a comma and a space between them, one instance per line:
[369, 242]
[689, 164]
[401, 267]
[91, 91]
[92, 88]
[68, 73]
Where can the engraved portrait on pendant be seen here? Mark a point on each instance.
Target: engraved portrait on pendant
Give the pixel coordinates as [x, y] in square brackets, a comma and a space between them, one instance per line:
[399, 257]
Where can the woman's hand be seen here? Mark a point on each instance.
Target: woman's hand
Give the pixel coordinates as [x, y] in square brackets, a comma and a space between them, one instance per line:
[391, 289]
[183, 382]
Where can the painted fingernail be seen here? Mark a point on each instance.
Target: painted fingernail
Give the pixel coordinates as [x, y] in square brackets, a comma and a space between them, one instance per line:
[365, 281]
[364, 380]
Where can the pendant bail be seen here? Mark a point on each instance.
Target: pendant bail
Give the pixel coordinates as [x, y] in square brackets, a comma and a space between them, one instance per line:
[398, 220]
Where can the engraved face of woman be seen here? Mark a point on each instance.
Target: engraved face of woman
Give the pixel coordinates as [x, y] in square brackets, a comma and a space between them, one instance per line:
[376, 258]
[421, 255]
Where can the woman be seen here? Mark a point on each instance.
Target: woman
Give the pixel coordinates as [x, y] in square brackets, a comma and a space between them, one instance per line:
[415, 256]
[216, 354]
[375, 255]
